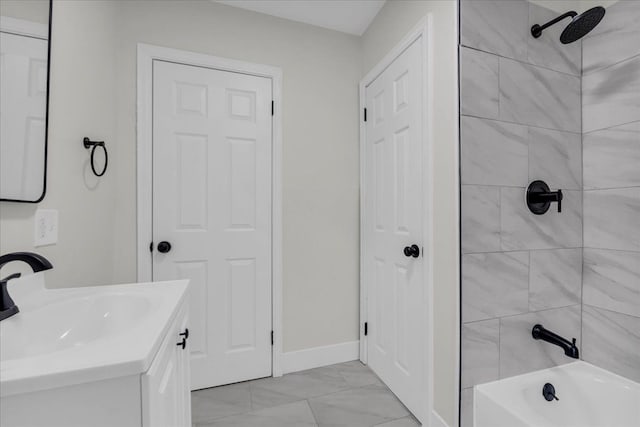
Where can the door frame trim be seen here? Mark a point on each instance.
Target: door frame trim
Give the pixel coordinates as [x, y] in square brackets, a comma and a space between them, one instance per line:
[423, 29]
[146, 54]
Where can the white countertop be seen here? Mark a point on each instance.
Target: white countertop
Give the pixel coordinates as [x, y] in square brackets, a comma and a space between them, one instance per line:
[127, 351]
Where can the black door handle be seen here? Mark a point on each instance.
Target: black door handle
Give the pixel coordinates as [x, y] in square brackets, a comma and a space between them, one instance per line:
[412, 251]
[185, 337]
[164, 247]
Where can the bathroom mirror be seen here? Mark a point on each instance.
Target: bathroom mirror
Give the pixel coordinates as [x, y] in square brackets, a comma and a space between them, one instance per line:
[24, 73]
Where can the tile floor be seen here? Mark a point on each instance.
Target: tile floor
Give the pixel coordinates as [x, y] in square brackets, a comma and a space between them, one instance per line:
[348, 394]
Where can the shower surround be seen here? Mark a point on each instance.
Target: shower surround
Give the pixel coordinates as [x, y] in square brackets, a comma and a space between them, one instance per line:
[525, 105]
[611, 159]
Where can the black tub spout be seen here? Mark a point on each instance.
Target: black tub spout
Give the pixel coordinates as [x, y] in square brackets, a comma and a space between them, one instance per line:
[570, 349]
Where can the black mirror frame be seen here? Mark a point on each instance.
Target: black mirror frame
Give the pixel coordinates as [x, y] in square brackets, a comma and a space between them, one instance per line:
[46, 120]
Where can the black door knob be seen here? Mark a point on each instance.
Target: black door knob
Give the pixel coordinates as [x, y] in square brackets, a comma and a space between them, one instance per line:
[164, 247]
[412, 251]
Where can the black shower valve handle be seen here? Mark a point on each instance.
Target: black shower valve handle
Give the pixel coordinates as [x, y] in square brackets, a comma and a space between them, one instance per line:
[540, 197]
[560, 196]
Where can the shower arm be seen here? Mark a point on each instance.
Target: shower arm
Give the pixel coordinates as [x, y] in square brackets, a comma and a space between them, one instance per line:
[536, 30]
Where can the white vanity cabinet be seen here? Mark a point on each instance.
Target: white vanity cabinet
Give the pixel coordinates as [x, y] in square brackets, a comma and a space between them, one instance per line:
[166, 393]
[138, 377]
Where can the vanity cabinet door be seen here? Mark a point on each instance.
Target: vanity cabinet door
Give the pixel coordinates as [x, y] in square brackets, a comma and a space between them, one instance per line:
[184, 370]
[165, 386]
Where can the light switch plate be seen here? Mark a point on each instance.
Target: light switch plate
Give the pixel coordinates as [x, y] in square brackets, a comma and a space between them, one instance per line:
[46, 227]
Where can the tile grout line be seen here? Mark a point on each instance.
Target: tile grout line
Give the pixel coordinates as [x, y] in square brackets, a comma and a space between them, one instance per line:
[533, 126]
[521, 61]
[606, 67]
[608, 310]
[559, 248]
[383, 386]
[251, 382]
[251, 396]
[632, 187]
[509, 316]
[582, 133]
[611, 250]
[602, 129]
[313, 414]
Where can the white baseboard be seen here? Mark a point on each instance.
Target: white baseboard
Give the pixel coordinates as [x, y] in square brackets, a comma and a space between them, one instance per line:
[437, 421]
[317, 357]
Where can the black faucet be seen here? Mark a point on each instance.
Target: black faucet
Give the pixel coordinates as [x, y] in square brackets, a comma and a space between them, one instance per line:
[37, 263]
[540, 333]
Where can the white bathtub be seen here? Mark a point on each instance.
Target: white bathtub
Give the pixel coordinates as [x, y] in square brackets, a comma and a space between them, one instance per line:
[588, 397]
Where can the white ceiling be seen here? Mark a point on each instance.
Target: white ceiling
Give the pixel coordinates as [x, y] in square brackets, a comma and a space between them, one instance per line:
[348, 16]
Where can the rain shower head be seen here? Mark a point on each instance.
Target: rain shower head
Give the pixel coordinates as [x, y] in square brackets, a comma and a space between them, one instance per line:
[579, 26]
[582, 24]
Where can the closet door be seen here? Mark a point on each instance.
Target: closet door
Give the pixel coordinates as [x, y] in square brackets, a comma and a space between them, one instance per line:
[393, 257]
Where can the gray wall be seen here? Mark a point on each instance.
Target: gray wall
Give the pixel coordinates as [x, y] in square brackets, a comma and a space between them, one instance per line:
[320, 177]
[611, 142]
[31, 10]
[521, 121]
[93, 93]
[81, 103]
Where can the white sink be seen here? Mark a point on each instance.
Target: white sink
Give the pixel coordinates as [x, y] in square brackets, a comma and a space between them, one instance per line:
[70, 324]
[70, 336]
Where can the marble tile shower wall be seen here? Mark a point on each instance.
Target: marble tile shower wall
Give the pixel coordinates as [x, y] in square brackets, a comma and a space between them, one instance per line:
[611, 144]
[520, 121]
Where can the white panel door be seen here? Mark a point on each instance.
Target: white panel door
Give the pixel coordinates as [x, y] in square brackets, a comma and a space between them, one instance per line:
[393, 221]
[23, 106]
[212, 204]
